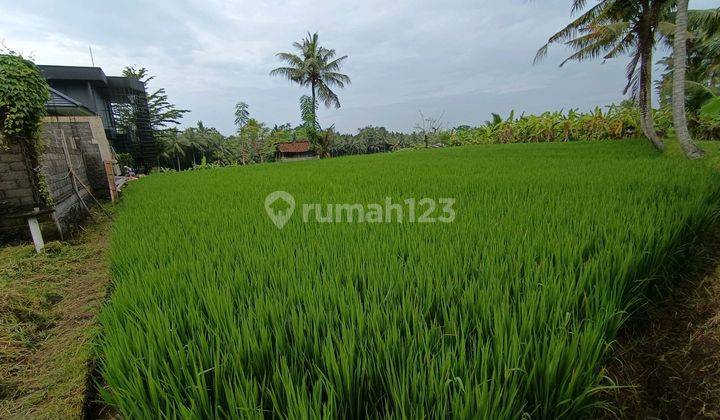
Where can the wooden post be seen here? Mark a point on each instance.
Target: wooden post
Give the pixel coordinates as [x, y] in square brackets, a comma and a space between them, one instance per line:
[36, 234]
[111, 180]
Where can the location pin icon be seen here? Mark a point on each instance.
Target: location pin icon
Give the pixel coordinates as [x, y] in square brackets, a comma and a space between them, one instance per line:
[279, 206]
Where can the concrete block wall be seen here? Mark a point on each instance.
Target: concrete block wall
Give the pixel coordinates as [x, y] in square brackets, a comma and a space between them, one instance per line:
[55, 168]
[79, 136]
[15, 187]
[16, 195]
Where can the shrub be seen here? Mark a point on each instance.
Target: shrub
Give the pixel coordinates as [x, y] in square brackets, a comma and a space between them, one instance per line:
[125, 159]
[23, 95]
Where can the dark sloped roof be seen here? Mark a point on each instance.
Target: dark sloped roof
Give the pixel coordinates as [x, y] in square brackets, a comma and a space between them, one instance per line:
[294, 147]
[59, 104]
[58, 99]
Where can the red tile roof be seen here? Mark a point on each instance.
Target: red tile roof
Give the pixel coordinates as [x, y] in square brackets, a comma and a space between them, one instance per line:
[294, 147]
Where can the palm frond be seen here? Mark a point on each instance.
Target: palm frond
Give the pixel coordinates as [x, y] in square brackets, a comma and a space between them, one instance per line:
[622, 47]
[335, 79]
[604, 35]
[326, 95]
[633, 75]
[574, 28]
[599, 40]
[707, 19]
[290, 73]
[335, 64]
[290, 58]
[587, 53]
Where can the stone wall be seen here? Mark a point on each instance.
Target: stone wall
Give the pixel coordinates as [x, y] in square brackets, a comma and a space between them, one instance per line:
[16, 194]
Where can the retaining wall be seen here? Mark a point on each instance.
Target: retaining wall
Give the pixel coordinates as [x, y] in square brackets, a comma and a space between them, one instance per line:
[86, 159]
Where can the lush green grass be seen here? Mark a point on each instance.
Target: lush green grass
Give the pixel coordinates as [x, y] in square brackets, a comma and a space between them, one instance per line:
[508, 310]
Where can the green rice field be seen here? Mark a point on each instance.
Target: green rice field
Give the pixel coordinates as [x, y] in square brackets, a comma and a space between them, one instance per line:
[507, 311]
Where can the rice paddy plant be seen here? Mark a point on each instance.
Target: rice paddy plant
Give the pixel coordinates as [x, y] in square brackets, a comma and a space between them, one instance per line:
[507, 311]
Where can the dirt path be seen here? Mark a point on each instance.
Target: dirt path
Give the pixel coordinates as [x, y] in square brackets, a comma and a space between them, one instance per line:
[48, 307]
[672, 355]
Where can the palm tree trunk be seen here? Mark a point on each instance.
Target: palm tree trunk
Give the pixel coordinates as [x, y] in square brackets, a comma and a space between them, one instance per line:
[678, 98]
[314, 104]
[177, 160]
[645, 94]
[312, 88]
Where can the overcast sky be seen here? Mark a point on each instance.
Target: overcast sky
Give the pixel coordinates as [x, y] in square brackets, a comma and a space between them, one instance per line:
[461, 59]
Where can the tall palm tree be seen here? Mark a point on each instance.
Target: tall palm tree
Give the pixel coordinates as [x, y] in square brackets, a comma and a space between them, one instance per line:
[325, 140]
[615, 27]
[314, 66]
[702, 71]
[691, 150]
[196, 140]
[173, 146]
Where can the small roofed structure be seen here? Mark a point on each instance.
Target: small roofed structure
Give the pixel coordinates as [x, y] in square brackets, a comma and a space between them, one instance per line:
[294, 150]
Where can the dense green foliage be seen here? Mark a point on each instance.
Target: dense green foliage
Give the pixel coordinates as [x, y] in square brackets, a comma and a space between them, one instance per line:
[254, 142]
[702, 75]
[617, 122]
[125, 159]
[707, 121]
[164, 115]
[508, 310]
[23, 95]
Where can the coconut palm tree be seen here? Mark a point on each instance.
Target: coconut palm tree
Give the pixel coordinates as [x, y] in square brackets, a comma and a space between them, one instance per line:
[314, 66]
[325, 141]
[702, 70]
[615, 27]
[173, 146]
[692, 151]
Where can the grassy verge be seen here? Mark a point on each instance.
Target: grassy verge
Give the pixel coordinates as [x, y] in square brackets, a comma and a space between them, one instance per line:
[48, 304]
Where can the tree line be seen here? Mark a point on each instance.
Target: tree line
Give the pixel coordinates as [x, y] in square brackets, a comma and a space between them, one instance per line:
[607, 30]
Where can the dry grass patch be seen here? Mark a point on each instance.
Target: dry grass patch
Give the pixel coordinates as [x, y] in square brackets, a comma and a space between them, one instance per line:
[669, 358]
[48, 304]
